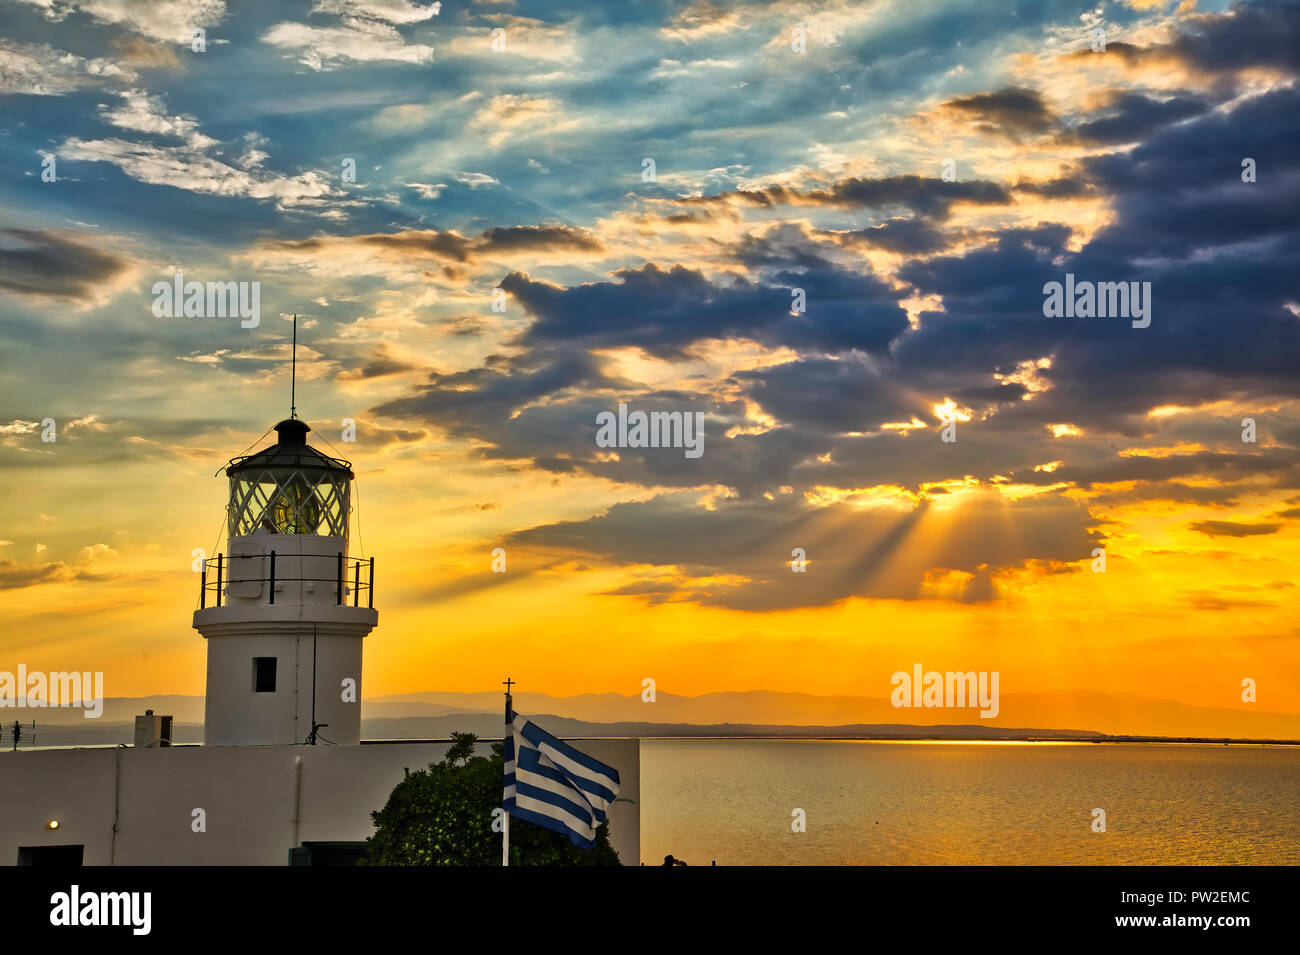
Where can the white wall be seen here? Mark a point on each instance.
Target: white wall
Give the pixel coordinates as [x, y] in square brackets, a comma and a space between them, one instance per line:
[248, 793]
[235, 714]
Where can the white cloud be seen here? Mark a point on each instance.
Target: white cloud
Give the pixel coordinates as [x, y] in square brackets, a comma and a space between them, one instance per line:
[673, 68]
[525, 39]
[170, 20]
[390, 11]
[187, 167]
[147, 114]
[362, 41]
[251, 159]
[426, 190]
[90, 422]
[514, 115]
[18, 426]
[253, 156]
[41, 70]
[476, 179]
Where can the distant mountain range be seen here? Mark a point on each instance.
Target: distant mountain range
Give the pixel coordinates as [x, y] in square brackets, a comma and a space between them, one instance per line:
[1114, 714]
[435, 715]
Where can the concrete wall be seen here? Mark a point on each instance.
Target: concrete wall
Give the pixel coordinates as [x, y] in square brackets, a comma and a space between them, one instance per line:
[255, 809]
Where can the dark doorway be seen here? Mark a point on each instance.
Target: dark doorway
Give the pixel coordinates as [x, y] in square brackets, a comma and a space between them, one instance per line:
[62, 857]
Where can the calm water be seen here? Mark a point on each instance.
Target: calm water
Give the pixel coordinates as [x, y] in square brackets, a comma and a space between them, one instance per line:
[886, 803]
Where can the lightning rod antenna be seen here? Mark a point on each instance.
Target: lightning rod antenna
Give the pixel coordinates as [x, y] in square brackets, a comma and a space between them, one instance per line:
[293, 373]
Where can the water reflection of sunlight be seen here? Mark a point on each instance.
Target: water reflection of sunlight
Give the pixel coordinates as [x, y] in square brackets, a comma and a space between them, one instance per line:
[981, 742]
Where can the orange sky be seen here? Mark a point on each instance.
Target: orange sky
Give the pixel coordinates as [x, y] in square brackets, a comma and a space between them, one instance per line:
[500, 269]
[1176, 614]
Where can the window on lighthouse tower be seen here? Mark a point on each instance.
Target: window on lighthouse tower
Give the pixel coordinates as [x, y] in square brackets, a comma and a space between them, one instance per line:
[264, 674]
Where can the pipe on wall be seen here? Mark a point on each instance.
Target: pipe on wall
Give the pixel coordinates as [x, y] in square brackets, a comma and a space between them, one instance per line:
[297, 800]
[117, 800]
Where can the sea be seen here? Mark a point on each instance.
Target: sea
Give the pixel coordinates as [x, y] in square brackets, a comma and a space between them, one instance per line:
[848, 802]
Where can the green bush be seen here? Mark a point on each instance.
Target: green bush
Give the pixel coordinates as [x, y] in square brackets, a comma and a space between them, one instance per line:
[443, 816]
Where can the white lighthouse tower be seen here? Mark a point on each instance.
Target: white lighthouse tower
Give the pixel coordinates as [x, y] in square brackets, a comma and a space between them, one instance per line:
[286, 610]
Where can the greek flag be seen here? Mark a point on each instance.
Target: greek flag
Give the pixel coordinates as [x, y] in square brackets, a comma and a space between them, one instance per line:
[551, 784]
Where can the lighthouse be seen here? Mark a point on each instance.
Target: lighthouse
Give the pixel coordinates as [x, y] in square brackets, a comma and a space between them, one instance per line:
[286, 609]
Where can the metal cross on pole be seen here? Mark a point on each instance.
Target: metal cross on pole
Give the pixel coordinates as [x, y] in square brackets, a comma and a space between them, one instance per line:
[505, 815]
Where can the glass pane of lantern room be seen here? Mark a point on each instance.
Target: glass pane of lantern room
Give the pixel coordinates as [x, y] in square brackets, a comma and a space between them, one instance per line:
[261, 514]
[295, 509]
[250, 494]
[333, 494]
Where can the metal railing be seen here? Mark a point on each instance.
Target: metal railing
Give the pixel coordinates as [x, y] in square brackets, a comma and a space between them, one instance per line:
[348, 571]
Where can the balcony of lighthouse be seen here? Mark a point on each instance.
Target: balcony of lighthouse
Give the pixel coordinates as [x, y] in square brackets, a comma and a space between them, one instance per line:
[285, 571]
[275, 578]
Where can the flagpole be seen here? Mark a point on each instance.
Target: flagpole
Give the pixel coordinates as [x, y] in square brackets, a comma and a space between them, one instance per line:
[505, 815]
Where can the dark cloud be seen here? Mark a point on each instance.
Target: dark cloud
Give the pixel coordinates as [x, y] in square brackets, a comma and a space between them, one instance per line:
[1174, 492]
[15, 575]
[1181, 190]
[850, 551]
[465, 326]
[917, 458]
[1014, 112]
[517, 238]
[1210, 600]
[1220, 255]
[1282, 463]
[1132, 116]
[664, 311]
[1233, 528]
[1063, 188]
[371, 435]
[503, 411]
[924, 196]
[904, 236]
[458, 248]
[830, 395]
[55, 265]
[464, 403]
[379, 365]
[1249, 36]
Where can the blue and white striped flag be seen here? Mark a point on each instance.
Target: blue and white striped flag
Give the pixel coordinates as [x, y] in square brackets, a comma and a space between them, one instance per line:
[551, 784]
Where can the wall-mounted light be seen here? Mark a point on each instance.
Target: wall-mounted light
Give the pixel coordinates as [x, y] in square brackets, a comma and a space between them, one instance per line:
[52, 824]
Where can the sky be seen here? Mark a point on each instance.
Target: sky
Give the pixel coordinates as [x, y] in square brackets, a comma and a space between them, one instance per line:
[826, 228]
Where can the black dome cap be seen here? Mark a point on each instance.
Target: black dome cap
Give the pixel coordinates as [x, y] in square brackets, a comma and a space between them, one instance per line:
[290, 451]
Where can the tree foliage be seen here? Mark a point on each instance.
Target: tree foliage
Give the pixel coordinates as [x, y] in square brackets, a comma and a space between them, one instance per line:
[443, 816]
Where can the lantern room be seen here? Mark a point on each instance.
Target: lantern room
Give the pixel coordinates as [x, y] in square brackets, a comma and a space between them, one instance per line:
[289, 488]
